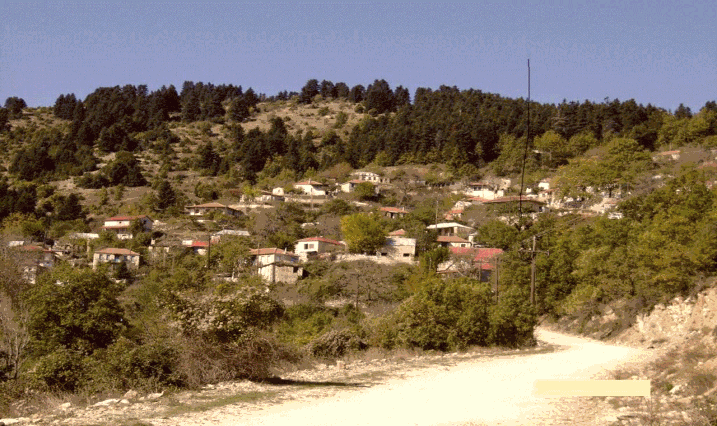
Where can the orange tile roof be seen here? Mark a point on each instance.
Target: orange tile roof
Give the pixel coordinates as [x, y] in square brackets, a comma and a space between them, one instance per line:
[322, 239]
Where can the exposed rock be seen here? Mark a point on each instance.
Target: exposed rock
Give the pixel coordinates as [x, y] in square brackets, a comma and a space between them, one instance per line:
[153, 396]
[107, 402]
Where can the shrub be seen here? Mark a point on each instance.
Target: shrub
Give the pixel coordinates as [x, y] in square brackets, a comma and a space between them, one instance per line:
[443, 315]
[127, 365]
[254, 356]
[512, 319]
[336, 343]
[60, 371]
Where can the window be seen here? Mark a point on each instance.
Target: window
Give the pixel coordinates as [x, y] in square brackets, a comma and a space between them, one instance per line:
[306, 246]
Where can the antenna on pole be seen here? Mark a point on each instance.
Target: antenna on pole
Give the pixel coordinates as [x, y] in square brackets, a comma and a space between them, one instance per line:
[525, 154]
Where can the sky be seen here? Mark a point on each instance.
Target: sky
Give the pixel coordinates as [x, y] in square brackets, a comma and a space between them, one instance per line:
[658, 52]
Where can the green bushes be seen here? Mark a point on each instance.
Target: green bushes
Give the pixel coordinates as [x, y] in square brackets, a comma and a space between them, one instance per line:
[454, 314]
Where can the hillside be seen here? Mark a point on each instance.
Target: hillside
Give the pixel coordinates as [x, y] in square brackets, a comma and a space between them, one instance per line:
[211, 200]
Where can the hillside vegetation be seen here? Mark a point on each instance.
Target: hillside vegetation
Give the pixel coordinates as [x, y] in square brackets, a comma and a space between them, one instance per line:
[183, 319]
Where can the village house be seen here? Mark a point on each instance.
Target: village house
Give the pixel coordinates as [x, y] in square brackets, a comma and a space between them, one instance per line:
[216, 237]
[366, 176]
[452, 241]
[313, 188]
[451, 228]
[199, 247]
[309, 248]
[115, 256]
[483, 189]
[397, 233]
[201, 210]
[400, 249]
[121, 225]
[453, 214]
[350, 186]
[35, 259]
[276, 265]
[478, 262]
[394, 212]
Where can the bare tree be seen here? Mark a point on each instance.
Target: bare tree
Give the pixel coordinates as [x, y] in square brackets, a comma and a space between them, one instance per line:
[14, 312]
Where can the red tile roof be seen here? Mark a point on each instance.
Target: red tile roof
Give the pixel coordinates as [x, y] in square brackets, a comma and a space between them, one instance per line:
[121, 251]
[394, 210]
[481, 255]
[397, 233]
[310, 182]
[451, 239]
[200, 244]
[265, 251]
[322, 239]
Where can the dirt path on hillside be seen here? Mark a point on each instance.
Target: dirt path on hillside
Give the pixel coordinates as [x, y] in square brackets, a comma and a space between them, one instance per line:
[490, 391]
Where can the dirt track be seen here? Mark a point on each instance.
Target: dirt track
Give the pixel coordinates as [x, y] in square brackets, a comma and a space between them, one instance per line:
[491, 391]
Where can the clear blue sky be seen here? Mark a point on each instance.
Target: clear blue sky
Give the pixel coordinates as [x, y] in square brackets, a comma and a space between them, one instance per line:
[658, 52]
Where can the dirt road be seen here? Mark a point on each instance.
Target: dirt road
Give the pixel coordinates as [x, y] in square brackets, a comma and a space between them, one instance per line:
[490, 391]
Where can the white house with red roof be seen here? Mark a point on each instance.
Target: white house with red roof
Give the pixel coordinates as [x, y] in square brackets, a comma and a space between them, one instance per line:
[115, 256]
[453, 241]
[471, 261]
[311, 247]
[276, 265]
[121, 225]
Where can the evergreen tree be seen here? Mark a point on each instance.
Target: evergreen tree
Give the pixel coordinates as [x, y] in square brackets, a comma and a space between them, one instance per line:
[15, 105]
[166, 196]
[310, 89]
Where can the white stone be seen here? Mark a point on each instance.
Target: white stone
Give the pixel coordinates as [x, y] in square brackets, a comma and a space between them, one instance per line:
[107, 402]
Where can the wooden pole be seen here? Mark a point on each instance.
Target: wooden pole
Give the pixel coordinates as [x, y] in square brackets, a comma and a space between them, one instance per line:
[532, 273]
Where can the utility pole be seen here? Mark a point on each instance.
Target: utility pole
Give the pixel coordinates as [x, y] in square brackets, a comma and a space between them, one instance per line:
[532, 273]
[495, 288]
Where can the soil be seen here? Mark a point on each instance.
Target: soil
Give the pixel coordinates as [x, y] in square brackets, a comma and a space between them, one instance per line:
[485, 386]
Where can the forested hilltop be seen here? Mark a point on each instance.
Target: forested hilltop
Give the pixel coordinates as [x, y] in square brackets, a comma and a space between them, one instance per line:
[618, 210]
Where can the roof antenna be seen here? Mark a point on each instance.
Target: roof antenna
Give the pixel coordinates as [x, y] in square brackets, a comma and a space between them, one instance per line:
[525, 155]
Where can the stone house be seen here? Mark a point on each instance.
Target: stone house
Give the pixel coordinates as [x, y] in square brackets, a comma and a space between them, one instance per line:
[35, 259]
[276, 265]
[394, 212]
[401, 249]
[115, 256]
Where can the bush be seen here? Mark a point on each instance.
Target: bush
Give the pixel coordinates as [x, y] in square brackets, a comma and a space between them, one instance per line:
[127, 365]
[512, 319]
[454, 314]
[443, 315]
[60, 371]
[336, 343]
[254, 357]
